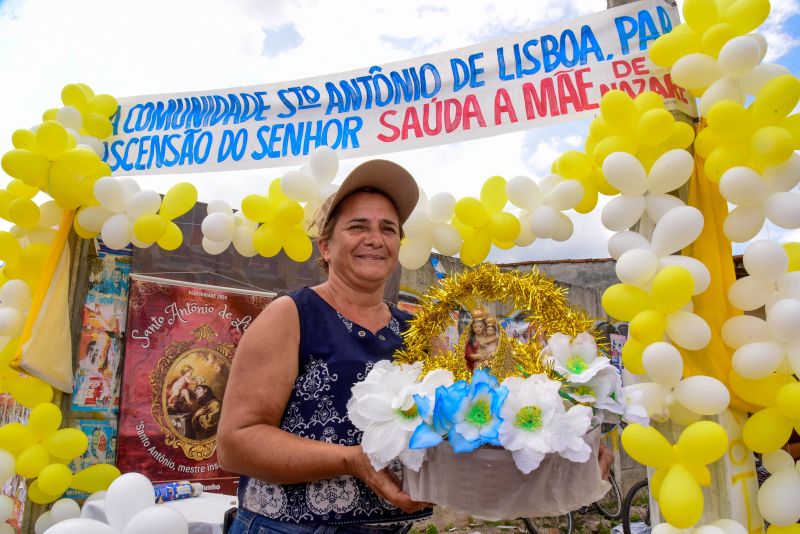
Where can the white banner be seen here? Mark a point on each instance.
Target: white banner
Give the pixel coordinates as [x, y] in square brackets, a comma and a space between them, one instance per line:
[552, 74]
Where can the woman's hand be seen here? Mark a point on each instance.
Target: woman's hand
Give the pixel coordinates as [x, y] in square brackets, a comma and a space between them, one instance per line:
[382, 482]
[606, 459]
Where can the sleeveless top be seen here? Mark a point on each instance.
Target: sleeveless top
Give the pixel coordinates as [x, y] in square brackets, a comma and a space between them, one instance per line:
[334, 353]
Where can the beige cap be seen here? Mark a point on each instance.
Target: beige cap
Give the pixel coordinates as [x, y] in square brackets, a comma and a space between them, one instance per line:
[380, 174]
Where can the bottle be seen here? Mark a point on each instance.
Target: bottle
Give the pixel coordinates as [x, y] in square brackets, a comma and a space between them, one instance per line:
[172, 491]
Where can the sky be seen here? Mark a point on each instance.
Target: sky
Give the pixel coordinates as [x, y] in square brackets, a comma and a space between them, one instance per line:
[152, 46]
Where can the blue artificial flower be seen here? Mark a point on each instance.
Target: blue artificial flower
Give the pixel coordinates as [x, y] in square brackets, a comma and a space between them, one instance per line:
[437, 423]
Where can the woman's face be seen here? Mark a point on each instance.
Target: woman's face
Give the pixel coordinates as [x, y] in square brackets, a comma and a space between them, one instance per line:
[365, 240]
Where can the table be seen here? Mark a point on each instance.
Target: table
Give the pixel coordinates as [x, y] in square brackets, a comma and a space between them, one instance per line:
[204, 513]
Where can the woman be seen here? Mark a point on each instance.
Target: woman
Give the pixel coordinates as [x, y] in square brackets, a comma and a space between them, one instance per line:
[284, 419]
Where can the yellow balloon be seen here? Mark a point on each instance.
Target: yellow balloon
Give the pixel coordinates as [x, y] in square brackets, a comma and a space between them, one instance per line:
[172, 237]
[647, 446]
[589, 199]
[761, 392]
[702, 443]
[179, 199]
[54, 479]
[730, 121]
[746, 15]
[670, 47]
[654, 127]
[619, 111]
[86, 192]
[503, 244]
[36, 495]
[29, 390]
[598, 180]
[776, 99]
[50, 114]
[103, 104]
[656, 480]
[288, 213]
[257, 208]
[632, 356]
[66, 443]
[648, 326]
[700, 14]
[14, 437]
[86, 90]
[792, 250]
[680, 137]
[672, 288]
[790, 529]
[766, 430]
[462, 228]
[20, 189]
[103, 169]
[34, 256]
[297, 245]
[64, 187]
[80, 161]
[97, 125]
[150, 227]
[9, 247]
[574, 165]
[73, 95]
[24, 212]
[493, 194]
[24, 138]
[44, 419]
[615, 143]
[598, 129]
[471, 212]
[475, 248]
[647, 100]
[680, 498]
[715, 37]
[792, 125]
[788, 401]
[707, 141]
[275, 192]
[504, 227]
[51, 139]
[771, 145]
[723, 158]
[83, 233]
[32, 460]
[700, 473]
[95, 478]
[30, 167]
[268, 240]
[8, 353]
[624, 301]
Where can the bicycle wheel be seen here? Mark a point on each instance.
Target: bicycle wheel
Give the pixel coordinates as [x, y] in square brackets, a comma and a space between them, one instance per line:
[549, 525]
[636, 506]
[610, 506]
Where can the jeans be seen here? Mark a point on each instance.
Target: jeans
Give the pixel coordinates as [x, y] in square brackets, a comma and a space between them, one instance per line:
[247, 522]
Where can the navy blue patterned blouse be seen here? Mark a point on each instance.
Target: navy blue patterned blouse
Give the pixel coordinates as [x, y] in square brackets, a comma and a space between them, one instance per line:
[334, 354]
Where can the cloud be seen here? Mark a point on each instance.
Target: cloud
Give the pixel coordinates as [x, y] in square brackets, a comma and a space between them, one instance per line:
[281, 40]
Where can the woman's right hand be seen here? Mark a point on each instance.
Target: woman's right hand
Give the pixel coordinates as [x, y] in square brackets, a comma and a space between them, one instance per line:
[382, 482]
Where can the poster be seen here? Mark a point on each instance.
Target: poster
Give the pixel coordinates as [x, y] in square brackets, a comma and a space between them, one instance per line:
[102, 449]
[15, 487]
[178, 354]
[101, 346]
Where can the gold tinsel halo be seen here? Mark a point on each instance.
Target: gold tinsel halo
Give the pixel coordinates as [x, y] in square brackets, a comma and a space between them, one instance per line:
[539, 298]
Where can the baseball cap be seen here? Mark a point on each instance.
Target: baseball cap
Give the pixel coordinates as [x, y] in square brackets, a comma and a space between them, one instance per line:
[382, 175]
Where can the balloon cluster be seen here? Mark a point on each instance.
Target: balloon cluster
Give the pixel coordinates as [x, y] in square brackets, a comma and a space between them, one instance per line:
[775, 496]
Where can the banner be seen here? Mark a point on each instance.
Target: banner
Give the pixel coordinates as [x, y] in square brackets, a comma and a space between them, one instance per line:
[555, 73]
[179, 347]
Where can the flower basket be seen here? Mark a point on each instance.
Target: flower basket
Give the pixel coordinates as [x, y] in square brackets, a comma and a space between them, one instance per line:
[487, 484]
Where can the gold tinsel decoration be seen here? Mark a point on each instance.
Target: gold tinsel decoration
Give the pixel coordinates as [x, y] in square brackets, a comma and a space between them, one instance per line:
[539, 298]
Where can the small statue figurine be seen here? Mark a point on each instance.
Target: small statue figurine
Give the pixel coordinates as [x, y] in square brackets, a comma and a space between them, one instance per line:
[482, 340]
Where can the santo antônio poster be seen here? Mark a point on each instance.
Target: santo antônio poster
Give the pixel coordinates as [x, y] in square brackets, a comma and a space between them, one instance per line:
[179, 349]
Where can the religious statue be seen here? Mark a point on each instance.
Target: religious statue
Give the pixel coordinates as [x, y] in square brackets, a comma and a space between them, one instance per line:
[482, 340]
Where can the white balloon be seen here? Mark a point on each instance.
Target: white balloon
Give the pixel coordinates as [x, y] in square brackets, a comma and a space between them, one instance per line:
[218, 227]
[743, 329]
[698, 270]
[110, 193]
[446, 239]
[43, 522]
[441, 207]
[722, 89]
[17, 294]
[681, 415]
[622, 212]
[783, 320]
[793, 357]
[523, 192]
[761, 41]
[738, 56]
[7, 466]
[11, 322]
[666, 528]
[789, 285]
[696, 71]
[760, 75]
[157, 518]
[42, 235]
[749, 293]
[220, 206]
[708, 529]
[663, 363]
[81, 526]
[129, 186]
[657, 204]
[117, 231]
[670, 171]
[243, 241]
[418, 225]
[526, 235]
[783, 177]
[50, 214]
[688, 330]
[95, 144]
[544, 222]
[730, 526]
[70, 117]
[653, 398]
[6, 508]
[637, 266]
[565, 195]
[564, 228]
[96, 496]
[241, 220]
[758, 360]
[677, 229]
[625, 172]
[766, 260]
[414, 253]
[621, 242]
[127, 496]
[703, 395]
[141, 203]
[548, 182]
[777, 498]
[64, 509]
[299, 186]
[783, 209]
[92, 218]
[743, 186]
[136, 242]
[777, 461]
[324, 163]
[215, 247]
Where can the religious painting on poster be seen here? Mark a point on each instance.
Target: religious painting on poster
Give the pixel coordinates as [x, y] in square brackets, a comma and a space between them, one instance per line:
[179, 350]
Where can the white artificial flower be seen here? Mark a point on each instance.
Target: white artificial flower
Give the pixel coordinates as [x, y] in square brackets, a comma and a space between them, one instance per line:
[576, 360]
[599, 389]
[383, 408]
[633, 411]
[569, 431]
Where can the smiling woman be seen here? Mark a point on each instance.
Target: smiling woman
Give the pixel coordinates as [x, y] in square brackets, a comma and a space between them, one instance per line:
[284, 422]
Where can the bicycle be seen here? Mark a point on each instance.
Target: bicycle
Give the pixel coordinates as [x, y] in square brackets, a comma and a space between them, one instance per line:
[636, 506]
[610, 507]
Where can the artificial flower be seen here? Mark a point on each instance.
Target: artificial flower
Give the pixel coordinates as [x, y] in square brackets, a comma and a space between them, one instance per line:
[598, 389]
[576, 360]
